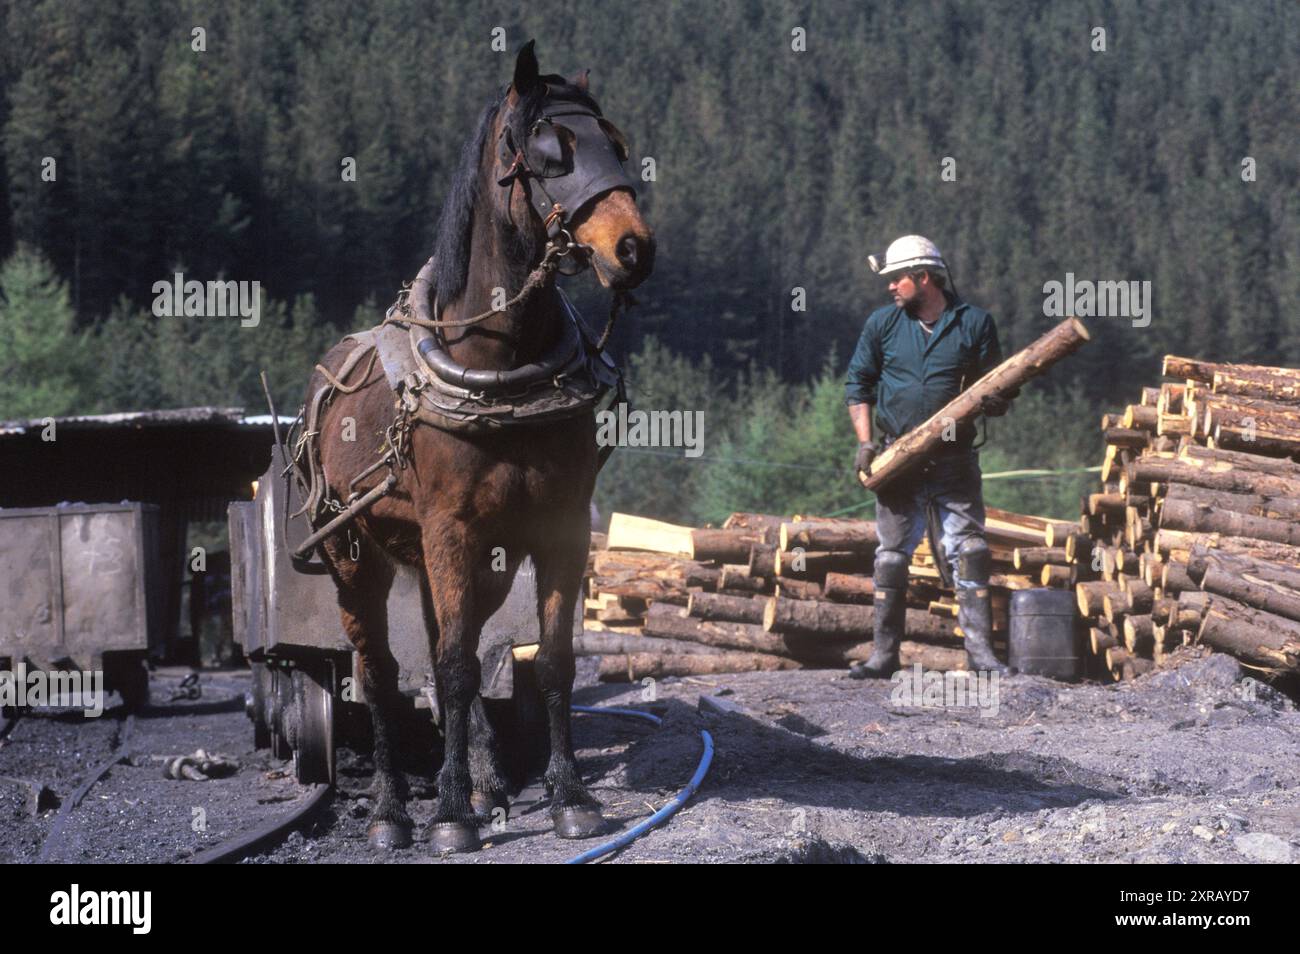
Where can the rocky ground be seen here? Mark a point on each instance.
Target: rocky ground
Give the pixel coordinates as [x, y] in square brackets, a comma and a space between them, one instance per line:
[1188, 764]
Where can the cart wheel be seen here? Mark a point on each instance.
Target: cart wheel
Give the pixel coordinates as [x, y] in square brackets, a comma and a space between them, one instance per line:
[313, 754]
[281, 702]
[256, 704]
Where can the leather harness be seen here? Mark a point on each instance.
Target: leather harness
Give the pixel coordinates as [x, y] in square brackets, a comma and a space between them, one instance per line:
[562, 166]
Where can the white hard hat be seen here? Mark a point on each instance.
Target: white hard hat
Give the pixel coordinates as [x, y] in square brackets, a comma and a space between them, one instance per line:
[908, 252]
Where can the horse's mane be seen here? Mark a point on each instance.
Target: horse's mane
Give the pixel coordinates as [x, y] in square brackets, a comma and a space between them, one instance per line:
[451, 246]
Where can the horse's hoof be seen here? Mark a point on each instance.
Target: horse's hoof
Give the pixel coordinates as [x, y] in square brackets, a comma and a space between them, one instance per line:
[578, 821]
[485, 805]
[389, 835]
[448, 837]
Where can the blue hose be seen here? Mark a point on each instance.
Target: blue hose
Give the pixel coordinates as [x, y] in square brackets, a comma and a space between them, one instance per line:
[680, 799]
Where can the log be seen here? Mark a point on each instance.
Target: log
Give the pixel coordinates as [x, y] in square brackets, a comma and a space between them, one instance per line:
[1256, 505]
[630, 532]
[1139, 634]
[1142, 418]
[1271, 387]
[1057, 576]
[737, 577]
[852, 536]
[1107, 503]
[731, 609]
[1193, 453]
[1269, 441]
[1056, 533]
[1034, 558]
[1270, 571]
[799, 589]
[1253, 592]
[753, 521]
[1139, 596]
[637, 666]
[1101, 641]
[1090, 596]
[589, 643]
[1201, 518]
[1150, 396]
[761, 556]
[727, 636]
[1174, 578]
[1193, 369]
[725, 546]
[653, 566]
[654, 591]
[1162, 609]
[1253, 636]
[914, 448]
[816, 652]
[1114, 606]
[839, 619]
[849, 588]
[1216, 475]
[1127, 437]
[1215, 409]
[814, 565]
[934, 658]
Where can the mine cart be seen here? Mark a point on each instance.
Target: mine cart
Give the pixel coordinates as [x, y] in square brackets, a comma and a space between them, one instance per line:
[307, 687]
[82, 591]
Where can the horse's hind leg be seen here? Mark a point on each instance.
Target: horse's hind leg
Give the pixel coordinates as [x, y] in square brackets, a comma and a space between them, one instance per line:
[363, 603]
[560, 563]
[485, 773]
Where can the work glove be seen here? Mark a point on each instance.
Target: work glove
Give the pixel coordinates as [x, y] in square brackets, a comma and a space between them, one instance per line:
[867, 452]
[995, 405]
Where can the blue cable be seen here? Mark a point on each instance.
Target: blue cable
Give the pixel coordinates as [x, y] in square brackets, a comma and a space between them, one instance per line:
[680, 799]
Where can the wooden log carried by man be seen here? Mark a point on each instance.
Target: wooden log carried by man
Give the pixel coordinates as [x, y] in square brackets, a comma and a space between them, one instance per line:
[928, 366]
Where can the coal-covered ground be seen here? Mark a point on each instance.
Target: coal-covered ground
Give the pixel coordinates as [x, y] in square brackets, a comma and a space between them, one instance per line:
[1188, 764]
[135, 813]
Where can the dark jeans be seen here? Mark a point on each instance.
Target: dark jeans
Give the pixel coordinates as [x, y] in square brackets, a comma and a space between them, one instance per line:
[952, 484]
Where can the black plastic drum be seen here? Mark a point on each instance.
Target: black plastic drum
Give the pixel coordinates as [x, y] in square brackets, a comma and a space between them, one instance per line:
[1046, 636]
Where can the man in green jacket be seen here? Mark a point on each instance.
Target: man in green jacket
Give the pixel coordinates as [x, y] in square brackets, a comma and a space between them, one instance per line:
[913, 358]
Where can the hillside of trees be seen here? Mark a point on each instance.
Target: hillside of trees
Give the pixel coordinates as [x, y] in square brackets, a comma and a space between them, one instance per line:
[1168, 157]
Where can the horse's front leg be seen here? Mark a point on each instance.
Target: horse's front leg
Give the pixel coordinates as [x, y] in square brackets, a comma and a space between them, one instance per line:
[561, 561]
[454, 646]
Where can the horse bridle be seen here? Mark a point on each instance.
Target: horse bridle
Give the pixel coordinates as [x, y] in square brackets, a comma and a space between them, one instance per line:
[564, 165]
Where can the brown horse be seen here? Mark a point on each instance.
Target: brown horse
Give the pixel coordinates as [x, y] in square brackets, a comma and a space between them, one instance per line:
[465, 499]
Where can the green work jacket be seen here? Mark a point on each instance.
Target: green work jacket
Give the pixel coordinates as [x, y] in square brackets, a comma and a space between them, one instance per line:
[909, 375]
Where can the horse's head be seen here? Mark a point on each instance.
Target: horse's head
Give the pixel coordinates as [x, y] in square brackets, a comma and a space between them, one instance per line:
[562, 162]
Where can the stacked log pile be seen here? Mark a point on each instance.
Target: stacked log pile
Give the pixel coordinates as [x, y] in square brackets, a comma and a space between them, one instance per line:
[765, 592]
[1194, 537]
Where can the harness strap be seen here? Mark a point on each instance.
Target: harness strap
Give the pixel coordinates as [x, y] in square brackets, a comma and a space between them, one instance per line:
[352, 360]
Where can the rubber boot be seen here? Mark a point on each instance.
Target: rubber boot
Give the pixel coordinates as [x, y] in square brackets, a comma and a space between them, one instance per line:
[888, 619]
[975, 617]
